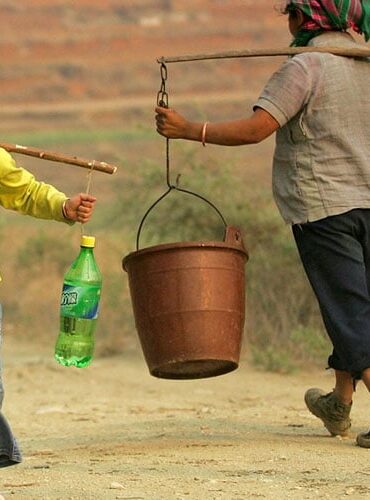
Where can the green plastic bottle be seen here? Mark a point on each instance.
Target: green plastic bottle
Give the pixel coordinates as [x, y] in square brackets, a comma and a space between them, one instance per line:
[79, 307]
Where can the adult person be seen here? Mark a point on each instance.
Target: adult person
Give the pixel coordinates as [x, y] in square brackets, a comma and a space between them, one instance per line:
[318, 105]
[20, 191]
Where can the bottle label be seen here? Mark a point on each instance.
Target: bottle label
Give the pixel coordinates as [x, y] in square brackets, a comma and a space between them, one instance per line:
[80, 301]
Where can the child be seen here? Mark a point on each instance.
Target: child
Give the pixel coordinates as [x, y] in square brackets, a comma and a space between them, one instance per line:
[20, 191]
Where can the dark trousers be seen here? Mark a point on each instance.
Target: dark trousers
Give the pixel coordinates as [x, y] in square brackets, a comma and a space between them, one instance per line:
[335, 253]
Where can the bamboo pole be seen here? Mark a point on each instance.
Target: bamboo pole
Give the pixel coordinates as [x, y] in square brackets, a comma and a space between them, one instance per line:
[284, 51]
[61, 158]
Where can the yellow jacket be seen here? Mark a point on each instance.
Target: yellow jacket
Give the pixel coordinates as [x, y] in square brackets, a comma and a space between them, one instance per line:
[20, 191]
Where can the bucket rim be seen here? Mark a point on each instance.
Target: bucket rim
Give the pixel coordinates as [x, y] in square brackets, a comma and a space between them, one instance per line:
[163, 247]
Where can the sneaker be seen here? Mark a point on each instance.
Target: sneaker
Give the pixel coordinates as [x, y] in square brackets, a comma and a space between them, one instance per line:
[363, 439]
[330, 410]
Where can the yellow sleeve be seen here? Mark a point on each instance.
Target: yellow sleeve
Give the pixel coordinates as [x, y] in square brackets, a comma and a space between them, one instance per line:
[20, 191]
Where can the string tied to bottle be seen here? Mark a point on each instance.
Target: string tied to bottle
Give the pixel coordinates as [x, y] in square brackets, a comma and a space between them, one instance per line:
[88, 186]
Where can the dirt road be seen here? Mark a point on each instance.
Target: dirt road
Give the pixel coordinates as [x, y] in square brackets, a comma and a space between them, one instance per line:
[111, 431]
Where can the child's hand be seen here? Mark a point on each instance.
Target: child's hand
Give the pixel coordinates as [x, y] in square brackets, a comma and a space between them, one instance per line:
[79, 208]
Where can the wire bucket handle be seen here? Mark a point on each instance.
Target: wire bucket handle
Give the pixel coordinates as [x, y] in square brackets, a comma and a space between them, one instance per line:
[186, 191]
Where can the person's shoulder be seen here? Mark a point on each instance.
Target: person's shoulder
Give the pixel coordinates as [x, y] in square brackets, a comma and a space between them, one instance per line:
[6, 159]
[320, 47]
[306, 61]
[4, 154]
[310, 58]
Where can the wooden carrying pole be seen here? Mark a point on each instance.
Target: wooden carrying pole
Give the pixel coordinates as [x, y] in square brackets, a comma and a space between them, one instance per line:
[285, 51]
[71, 160]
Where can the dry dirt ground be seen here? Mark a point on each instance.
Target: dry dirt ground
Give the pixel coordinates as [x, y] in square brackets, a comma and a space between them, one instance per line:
[111, 431]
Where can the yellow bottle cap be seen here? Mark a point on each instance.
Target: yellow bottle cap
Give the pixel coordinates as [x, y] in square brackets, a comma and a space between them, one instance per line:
[88, 241]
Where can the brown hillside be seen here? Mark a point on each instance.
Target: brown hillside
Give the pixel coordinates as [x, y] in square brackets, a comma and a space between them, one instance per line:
[53, 51]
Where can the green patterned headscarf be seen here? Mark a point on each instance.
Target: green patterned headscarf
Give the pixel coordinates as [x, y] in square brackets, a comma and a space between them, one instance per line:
[331, 15]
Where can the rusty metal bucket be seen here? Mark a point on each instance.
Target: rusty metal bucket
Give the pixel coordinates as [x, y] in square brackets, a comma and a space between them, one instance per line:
[189, 305]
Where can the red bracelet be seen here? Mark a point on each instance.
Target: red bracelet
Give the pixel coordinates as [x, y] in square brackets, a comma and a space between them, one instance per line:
[204, 130]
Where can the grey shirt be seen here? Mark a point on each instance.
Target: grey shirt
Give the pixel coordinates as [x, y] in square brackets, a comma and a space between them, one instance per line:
[321, 163]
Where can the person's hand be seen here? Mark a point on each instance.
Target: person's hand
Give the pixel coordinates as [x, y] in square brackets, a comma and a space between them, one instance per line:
[79, 208]
[170, 124]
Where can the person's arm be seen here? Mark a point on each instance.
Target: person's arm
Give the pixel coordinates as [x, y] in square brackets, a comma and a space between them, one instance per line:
[231, 133]
[20, 191]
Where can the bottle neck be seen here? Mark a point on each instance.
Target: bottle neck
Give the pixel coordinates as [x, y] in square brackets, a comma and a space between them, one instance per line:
[87, 249]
